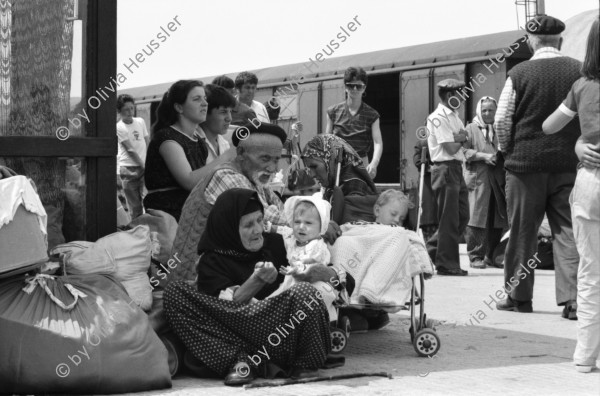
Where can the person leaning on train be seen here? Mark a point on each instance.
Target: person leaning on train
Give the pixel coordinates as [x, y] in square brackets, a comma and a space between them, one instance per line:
[355, 121]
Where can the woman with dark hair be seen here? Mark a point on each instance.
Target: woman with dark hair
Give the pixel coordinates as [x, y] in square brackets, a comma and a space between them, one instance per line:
[176, 154]
[227, 323]
[356, 122]
[584, 100]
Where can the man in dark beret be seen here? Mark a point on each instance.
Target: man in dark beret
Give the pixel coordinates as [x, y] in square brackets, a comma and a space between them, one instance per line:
[257, 153]
[540, 169]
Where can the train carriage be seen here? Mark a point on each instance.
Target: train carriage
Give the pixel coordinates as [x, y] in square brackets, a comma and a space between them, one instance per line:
[401, 88]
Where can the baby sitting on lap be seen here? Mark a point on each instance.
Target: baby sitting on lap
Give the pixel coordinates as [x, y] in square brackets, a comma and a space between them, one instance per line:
[309, 218]
[392, 207]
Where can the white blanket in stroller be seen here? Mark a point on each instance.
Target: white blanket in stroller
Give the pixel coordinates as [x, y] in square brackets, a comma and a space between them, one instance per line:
[382, 259]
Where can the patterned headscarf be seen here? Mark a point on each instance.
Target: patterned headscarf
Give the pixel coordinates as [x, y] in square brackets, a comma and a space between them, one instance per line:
[325, 147]
[487, 129]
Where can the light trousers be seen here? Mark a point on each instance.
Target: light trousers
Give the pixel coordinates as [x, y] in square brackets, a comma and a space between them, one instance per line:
[585, 211]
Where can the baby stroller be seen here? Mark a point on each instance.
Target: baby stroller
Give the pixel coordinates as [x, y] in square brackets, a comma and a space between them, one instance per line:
[425, 340]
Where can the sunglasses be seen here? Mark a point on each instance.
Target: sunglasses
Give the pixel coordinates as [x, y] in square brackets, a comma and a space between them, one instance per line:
[355, 86]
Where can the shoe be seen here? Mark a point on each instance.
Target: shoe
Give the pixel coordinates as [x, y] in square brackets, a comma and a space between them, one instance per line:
[240, 374]
[509, 304]
[570, 310]
[479, 264]
[300, 373]
[491, 263]
[583, 368]
[334, 361]
[452, 272]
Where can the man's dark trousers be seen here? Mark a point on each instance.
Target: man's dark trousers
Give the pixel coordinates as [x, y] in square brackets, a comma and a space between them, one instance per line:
[452, 199]
[528, 197]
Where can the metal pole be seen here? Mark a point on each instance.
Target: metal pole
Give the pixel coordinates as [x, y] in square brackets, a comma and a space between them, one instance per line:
[541, 7]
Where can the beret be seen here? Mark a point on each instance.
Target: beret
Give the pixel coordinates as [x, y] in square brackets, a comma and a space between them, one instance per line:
[544, 24]
[450, 84]
[242, 132]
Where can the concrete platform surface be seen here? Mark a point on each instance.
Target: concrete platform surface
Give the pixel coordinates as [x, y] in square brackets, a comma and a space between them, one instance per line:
[483, 351]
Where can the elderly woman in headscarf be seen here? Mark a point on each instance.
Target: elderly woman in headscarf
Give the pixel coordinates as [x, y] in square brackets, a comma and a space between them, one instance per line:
[321, 156]
[485, 180]
[226, 322]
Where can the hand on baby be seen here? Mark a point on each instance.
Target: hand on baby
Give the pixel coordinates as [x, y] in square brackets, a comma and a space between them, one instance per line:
[265, 271]
[293, 270]
[312, 273]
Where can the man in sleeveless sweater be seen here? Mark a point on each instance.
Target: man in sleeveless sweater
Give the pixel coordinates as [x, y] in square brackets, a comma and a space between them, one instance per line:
[540, 169]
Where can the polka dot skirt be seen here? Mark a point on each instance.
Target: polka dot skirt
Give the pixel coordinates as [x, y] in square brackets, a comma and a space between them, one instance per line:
[290, 330]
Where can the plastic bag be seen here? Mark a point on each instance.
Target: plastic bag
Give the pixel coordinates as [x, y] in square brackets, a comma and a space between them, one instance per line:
[76, 334]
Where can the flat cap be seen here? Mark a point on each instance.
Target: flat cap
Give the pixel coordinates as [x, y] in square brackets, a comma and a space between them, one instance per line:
[450, 84]
[544, 24]
[242, 132]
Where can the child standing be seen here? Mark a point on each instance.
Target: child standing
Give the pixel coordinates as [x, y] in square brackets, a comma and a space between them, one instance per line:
[308, 218]
[392, 207]
[583, 99]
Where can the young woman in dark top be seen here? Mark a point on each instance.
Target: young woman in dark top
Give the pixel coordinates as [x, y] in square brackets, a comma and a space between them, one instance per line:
[176, 155]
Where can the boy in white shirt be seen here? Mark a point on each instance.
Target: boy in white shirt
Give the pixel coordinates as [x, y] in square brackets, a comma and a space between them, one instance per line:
[131, 157]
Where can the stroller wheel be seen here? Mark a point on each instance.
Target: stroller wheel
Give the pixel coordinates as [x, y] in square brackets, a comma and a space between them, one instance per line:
[338, 340]
[426, 343]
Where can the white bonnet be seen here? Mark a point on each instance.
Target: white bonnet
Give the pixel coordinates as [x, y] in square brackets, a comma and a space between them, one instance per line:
[323, 207]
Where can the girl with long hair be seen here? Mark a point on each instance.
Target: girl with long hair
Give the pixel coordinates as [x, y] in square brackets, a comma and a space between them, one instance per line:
[584, 100]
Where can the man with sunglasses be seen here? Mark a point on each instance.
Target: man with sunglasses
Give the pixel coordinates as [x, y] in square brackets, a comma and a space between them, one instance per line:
[355, 121]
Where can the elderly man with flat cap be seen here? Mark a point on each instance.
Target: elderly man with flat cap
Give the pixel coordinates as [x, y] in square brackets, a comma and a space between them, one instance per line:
[540, 169]
[446, 135]
[258, 150]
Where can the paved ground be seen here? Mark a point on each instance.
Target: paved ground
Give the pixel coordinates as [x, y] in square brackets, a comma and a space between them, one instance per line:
[483, 352]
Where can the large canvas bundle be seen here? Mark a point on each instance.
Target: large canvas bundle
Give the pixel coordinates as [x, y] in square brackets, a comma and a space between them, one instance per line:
[124, 254]
[76, 334]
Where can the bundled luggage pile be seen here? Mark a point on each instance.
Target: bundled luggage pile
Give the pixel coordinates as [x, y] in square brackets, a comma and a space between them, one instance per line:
[74, 325]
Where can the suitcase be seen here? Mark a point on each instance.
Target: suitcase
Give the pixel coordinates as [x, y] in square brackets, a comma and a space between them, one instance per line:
[23, 245]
